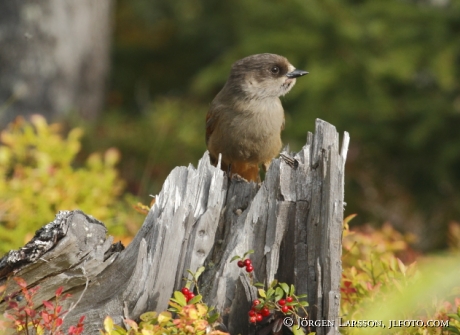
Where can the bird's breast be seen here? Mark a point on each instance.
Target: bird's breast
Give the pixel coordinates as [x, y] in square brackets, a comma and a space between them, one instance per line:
[255, 132]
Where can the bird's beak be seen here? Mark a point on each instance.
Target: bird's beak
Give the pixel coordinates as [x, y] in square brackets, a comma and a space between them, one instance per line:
[296, 73]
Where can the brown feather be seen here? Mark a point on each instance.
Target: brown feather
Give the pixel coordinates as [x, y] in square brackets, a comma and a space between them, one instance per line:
[245, 119]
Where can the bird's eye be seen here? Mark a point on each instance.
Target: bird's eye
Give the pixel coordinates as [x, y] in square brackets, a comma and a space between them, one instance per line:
[275, 69]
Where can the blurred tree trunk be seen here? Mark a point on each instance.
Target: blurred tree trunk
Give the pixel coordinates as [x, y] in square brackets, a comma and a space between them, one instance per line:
[54, 57]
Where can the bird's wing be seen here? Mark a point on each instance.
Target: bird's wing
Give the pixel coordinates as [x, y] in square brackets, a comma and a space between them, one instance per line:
[210, 123]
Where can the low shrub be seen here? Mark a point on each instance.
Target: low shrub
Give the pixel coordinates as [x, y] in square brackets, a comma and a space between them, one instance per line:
[39, 177]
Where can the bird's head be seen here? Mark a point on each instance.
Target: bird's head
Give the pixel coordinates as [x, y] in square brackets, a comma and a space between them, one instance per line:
[263, 75]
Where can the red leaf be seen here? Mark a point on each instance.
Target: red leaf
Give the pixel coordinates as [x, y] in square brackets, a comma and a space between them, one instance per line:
[12, 304]
[21, 282]
[46, 317]
[48, 305]
[348, 290]
[58, 322]
[30, 312]
[9, 316]
[75, 330]
[59, 291]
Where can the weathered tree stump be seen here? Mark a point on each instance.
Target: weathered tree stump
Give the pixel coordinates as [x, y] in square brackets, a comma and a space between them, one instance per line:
[293, 221]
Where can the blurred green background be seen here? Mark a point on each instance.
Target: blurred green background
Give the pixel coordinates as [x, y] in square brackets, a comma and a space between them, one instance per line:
[385, 71]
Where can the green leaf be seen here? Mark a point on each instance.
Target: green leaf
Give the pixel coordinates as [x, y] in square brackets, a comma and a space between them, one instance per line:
[303, 303]
[148, 316]
[297, 331]
[195, 299]
[248, 253]
[301, 296]
[213, 318]
[278, 293]
[108, 324]
[262, 293]
[452, 329]
[292, 292]
[270, 293]
[235, 258]
[164, 317]
[199, 272]
[273, 283]
[179, 298]
[175, 308]
[259, 285]
[285, 288]
[119, 330]
[454, 316]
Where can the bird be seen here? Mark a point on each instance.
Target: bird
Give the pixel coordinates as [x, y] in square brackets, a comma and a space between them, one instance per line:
[245, 119]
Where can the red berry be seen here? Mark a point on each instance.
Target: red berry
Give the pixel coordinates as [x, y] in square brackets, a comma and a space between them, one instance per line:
[289, 299]
[253, 319]
[285, 309]
[265, 311]
[259, 317]
[249, 268]
[185, 291]
[256, 302]
[190, 296]
[251, 313]
[241, 264]
[282, 302]
[247, 262]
